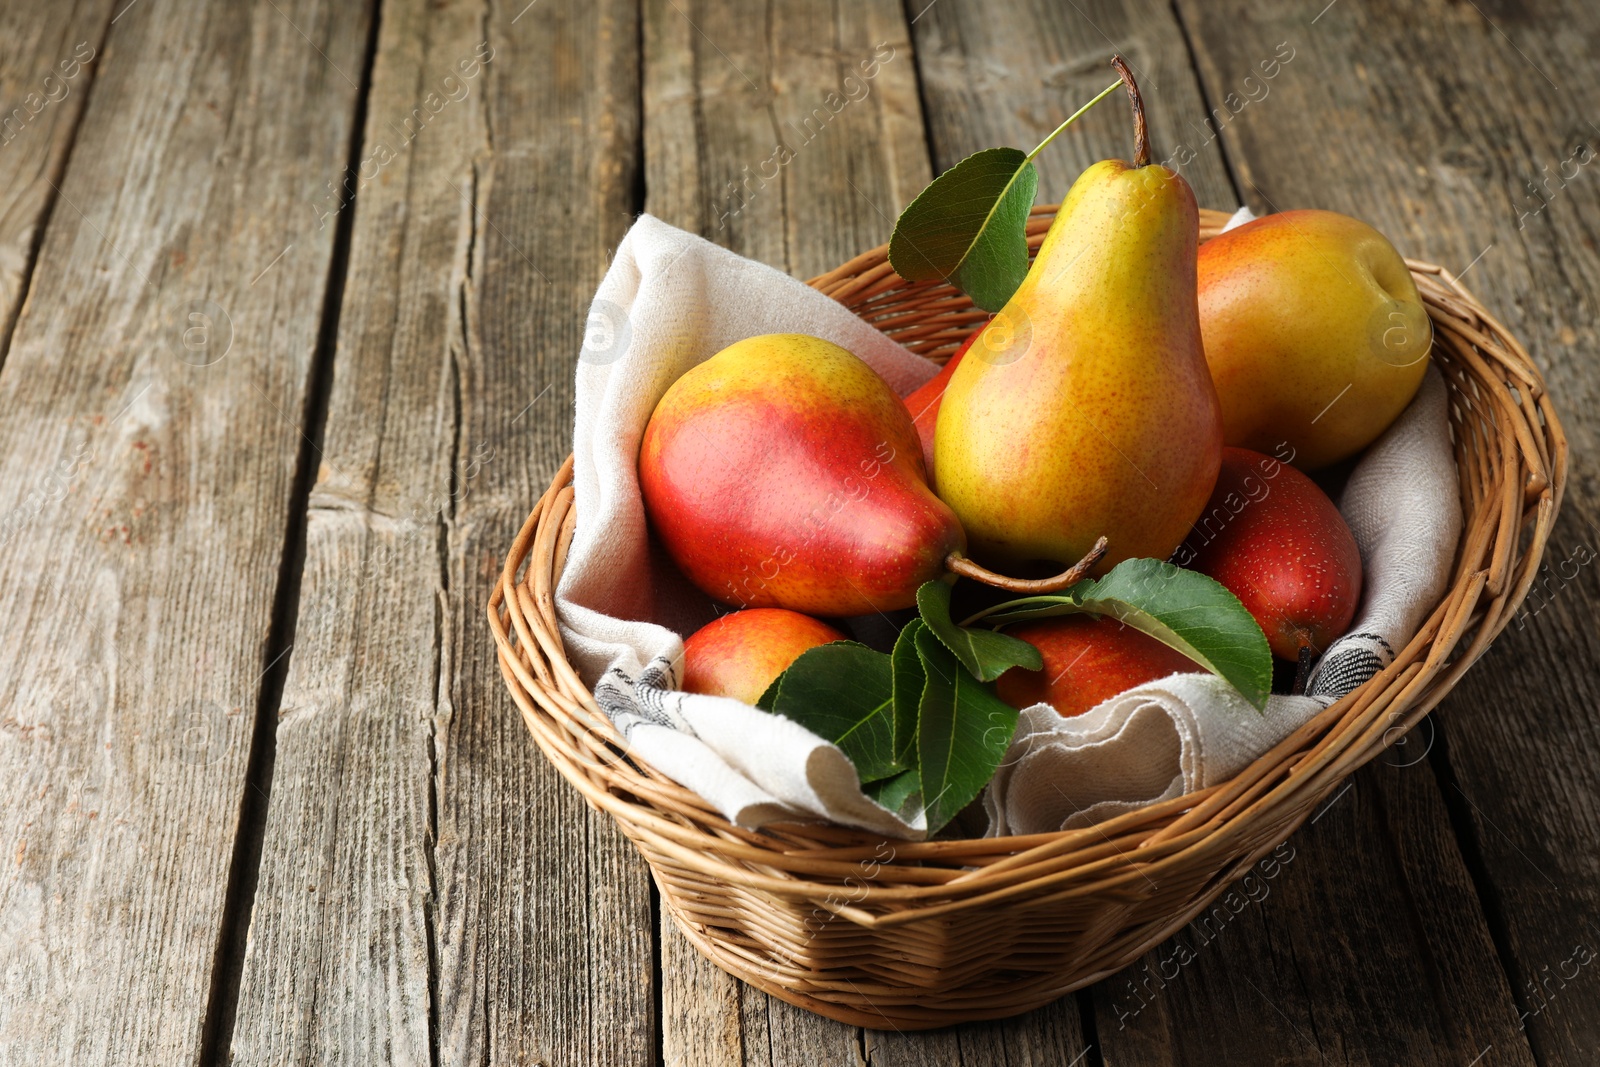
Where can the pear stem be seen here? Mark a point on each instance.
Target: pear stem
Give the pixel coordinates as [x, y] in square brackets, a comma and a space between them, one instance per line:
[1141, 133]
[1302, 672]
[956, 563]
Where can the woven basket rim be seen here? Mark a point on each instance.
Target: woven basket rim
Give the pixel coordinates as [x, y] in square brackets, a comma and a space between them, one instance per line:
[1511, 458]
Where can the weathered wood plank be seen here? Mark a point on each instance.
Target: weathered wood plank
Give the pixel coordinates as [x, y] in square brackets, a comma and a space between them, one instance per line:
[543, 936]
[1052, 1036]
[700, 1016]
[710, 1019]
[1358, 940]
[792, 135]
[47, 54]
[1466, 134]
[156, 378]
[1007, 74]
[338, 965]
[469, 882]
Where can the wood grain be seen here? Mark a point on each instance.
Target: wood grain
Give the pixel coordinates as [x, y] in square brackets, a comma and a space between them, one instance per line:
[47, 68]
[1304, 960]
[338, 967]
[793, 138]
[543, 930]
[1008, 74]
[459, 904]
[155, 393]
[1442, 126]
[1052, 1036]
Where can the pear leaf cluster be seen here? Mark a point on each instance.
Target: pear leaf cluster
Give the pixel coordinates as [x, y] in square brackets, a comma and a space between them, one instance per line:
[922, 724]
[986, 653]
[925, 734]
[843, 691]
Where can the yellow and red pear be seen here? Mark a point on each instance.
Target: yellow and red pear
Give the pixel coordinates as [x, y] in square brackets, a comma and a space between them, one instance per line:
[784, 472]
[739, 654]
[1315, 333]
[1085, 407]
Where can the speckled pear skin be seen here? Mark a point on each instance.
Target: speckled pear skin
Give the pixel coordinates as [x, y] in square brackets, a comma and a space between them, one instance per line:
[1087, 659]
[783, 472]
[924, 404]
[1315, 333]
[1085, 407]
[1280, 545]
[739, 654]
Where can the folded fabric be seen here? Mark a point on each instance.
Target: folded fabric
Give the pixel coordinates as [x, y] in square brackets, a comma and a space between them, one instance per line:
[671, 300]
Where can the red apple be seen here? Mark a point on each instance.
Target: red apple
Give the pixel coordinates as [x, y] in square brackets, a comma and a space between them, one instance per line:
[739, 654]
[1087, 659]
[1279, 545]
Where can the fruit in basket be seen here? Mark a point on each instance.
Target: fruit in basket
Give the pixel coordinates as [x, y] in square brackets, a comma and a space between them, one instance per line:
[924, 402]
[1279, 545]
[1087, 659]
[739, 654]
[784, 472]
[1085, 406]
[1314, 331]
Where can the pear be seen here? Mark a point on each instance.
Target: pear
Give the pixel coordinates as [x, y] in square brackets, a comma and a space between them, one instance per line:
[923, 403]
[783, 472]
[1085, 407]
[739, 654]
[1279, 545]
[1088, 659]
[1315, 333]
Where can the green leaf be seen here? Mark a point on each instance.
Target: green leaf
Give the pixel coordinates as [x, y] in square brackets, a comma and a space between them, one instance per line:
[900, 794]
[770, 696]
[844, 692]
[969, 227]
[962, 734]
[909, 679]
[985, 653]
[1183, 609]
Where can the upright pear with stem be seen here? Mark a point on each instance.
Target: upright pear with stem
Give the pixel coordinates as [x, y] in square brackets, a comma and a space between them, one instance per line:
[1085, 407]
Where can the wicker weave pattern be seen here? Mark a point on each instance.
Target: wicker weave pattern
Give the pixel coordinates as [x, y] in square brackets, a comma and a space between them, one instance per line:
[923, 934]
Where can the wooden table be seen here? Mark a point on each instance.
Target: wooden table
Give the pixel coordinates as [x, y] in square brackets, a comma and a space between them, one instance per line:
[290, 295]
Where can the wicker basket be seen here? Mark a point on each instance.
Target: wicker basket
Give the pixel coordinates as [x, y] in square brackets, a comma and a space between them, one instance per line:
[924, 934]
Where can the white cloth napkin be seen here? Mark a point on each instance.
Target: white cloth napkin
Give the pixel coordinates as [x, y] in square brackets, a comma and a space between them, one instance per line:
[1403, 503]
[671, 300]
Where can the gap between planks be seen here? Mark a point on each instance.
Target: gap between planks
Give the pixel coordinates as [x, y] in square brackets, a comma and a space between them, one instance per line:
[222, 1006]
